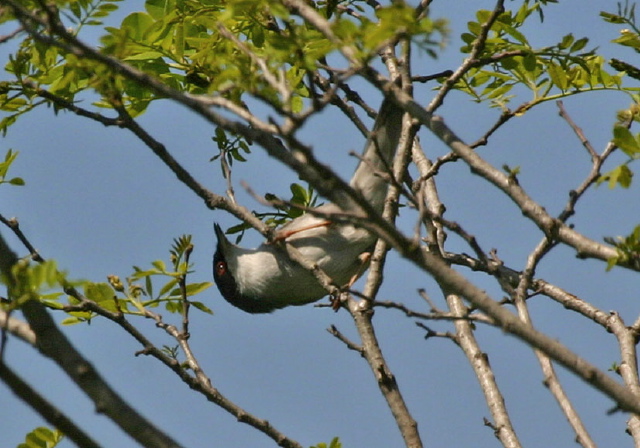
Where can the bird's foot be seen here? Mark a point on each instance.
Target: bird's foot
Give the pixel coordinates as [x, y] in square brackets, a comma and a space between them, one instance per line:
[337, 300]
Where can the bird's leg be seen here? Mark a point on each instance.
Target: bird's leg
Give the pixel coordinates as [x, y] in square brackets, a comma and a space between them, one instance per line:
[365, 259]
[337, 299]
[283, 235]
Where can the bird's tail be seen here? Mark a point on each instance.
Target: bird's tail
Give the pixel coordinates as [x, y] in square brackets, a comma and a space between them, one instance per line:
[378, 155]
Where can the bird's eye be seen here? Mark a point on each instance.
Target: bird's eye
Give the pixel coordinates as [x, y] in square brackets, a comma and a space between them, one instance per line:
[221, 268]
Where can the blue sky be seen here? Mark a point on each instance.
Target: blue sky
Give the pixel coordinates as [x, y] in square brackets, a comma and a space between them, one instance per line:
[98, 201]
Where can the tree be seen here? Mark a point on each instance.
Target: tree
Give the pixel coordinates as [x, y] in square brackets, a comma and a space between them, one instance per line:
[258, 79]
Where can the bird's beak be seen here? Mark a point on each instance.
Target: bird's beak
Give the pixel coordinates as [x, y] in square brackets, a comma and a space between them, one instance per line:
[223, 242]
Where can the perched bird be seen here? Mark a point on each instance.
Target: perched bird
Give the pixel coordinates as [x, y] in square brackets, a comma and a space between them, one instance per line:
[264, 279]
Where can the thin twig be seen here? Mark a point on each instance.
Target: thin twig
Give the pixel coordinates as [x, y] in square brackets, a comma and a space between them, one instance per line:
[479, 361]
[597, 160]
[333, 330]
[14, 225]
[585, 142]
[186, 304]
[200, 382]
[7, 37]
[431, 333]
[434, 315]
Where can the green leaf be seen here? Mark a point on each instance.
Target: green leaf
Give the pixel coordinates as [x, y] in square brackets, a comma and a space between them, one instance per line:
[627, 248]
[579, 45]
[168, 287]
[566, 42]
[628, 38]
[515, 34]
[299, 193]
[202, 307]
[77, 317]
[612, 18]
[159, 8]
[557, 74]
[137, 24]
[17, 181]
[13, 104]
[197, 288]
[146, 55]
[620, 175]
[335, 443]
[6, 122]
[297, 104]
[99, 292]
[9, 158]
[148, 286]
[529, 62]
[159, 265]
[139, 273]
[625, 140]
[173, 306]
[51, 300]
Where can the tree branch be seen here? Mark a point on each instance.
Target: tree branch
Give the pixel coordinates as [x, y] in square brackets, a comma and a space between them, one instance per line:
[54, 344]
[465, 337]
[554, 228]
[50, 413]
[479, 361]
[551, 380]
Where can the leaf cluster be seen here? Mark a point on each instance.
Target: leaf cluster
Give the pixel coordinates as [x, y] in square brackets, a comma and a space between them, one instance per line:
[35, 282]
[44, 282]
[231, 146]
[506, 60]
[230, 48]
[139, 294]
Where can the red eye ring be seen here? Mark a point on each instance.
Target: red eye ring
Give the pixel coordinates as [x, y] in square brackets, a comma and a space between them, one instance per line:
[221, 268]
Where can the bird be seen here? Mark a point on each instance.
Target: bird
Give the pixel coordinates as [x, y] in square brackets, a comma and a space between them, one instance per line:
[265, 279]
